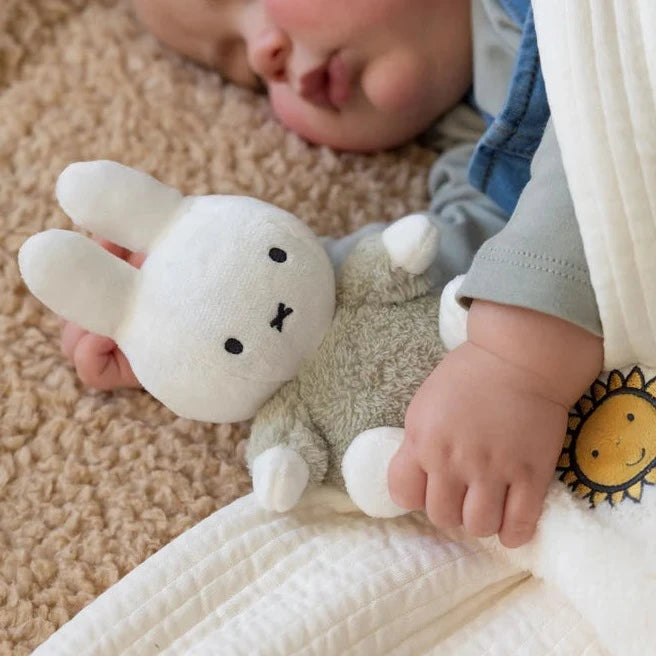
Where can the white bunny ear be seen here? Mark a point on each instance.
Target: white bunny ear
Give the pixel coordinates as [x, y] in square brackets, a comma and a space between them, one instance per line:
[123, 205]
[78, 279]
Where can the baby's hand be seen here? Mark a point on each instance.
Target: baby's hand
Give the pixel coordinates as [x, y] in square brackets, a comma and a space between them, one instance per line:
[98, 361]
[484, 432]
[481, 447]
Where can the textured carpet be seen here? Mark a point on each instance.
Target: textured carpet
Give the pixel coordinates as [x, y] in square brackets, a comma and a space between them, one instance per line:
[91, 483]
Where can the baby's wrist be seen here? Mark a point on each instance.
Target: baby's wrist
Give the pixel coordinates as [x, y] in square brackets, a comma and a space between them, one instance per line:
[564, 357]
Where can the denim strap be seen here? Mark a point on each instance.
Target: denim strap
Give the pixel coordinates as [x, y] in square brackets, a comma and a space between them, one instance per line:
[500, 166]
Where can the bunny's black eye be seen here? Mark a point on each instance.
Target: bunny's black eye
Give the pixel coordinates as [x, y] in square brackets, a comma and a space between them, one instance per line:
[278, 255]
[233, 346]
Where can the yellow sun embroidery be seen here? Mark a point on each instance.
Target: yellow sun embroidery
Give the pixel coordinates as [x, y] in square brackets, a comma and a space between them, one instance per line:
[610, 448]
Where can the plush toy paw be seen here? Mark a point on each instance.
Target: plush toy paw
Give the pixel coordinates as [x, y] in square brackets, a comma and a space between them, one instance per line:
[280, 475]
[411, 243]
[453, 317]
[364, 468]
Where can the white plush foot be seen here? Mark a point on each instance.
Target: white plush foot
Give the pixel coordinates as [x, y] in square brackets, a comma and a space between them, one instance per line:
[280, 476]
[411, 243]
[364, 468]
[453, 317]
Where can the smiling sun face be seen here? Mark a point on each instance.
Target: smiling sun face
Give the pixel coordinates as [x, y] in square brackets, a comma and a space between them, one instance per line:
[610, 448]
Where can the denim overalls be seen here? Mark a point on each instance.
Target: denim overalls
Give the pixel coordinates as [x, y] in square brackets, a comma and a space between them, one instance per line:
[500, 165]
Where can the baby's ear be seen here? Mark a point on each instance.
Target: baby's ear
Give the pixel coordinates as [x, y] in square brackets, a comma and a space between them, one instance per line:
[78, 279]
[123, 205]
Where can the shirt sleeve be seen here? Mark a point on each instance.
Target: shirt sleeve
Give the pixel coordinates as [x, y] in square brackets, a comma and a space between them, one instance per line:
[537, 261]
[464, 216]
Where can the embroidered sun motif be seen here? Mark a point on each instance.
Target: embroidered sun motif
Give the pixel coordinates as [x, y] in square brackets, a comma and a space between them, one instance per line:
[610, 448]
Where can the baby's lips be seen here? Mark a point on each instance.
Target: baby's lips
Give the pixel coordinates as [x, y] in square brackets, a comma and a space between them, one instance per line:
[328, 85]
[313, 86]
[339, 85]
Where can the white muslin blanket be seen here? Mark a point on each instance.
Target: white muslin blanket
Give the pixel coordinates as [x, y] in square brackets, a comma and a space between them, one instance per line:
[326, 580]
[599, 64]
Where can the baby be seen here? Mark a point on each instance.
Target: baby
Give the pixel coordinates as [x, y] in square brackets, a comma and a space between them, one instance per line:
[484, 431]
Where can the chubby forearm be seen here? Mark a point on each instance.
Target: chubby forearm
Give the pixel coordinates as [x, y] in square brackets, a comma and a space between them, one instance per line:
[563, 357]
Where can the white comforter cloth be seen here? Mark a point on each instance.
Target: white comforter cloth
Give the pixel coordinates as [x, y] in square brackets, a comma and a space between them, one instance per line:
[599, 63]
[326, 580]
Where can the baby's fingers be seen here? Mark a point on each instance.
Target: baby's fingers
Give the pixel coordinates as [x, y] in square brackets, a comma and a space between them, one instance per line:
[101, 364]
[70, 336]
[521, 514]
[483, 507]
[113, 248]
[135, 259]
[406, 479]
[444, 498]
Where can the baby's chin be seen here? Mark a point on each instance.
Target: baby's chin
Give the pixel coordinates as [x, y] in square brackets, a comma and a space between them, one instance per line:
[349, 130]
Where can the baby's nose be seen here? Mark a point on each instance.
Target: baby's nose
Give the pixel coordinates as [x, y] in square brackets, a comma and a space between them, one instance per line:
[269, 52]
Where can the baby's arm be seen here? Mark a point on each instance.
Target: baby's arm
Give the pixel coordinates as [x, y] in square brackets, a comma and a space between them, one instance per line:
[485, 430]
[97, 359]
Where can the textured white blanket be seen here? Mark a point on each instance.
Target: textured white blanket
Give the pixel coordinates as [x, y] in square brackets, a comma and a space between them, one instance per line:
[599, 64]
[323, 579]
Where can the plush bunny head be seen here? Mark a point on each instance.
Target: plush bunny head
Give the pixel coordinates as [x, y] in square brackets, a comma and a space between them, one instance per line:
[233, 295]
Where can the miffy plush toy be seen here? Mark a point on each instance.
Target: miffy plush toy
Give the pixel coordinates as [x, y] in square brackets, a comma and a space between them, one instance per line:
[236, 313]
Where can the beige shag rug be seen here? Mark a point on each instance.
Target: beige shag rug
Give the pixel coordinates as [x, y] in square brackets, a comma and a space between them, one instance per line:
[91, 483]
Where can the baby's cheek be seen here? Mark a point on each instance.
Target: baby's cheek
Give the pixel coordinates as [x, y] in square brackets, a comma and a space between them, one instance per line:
[350, 131]
[288, 108]
[300, 117]
[396, 83]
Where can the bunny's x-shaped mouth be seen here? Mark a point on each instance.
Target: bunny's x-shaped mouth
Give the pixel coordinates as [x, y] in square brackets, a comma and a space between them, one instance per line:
[283, 313]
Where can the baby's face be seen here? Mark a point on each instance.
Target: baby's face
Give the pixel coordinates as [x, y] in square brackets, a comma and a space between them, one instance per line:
[350, 74]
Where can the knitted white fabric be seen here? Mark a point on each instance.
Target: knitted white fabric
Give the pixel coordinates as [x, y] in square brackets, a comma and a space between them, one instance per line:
[599, 64]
